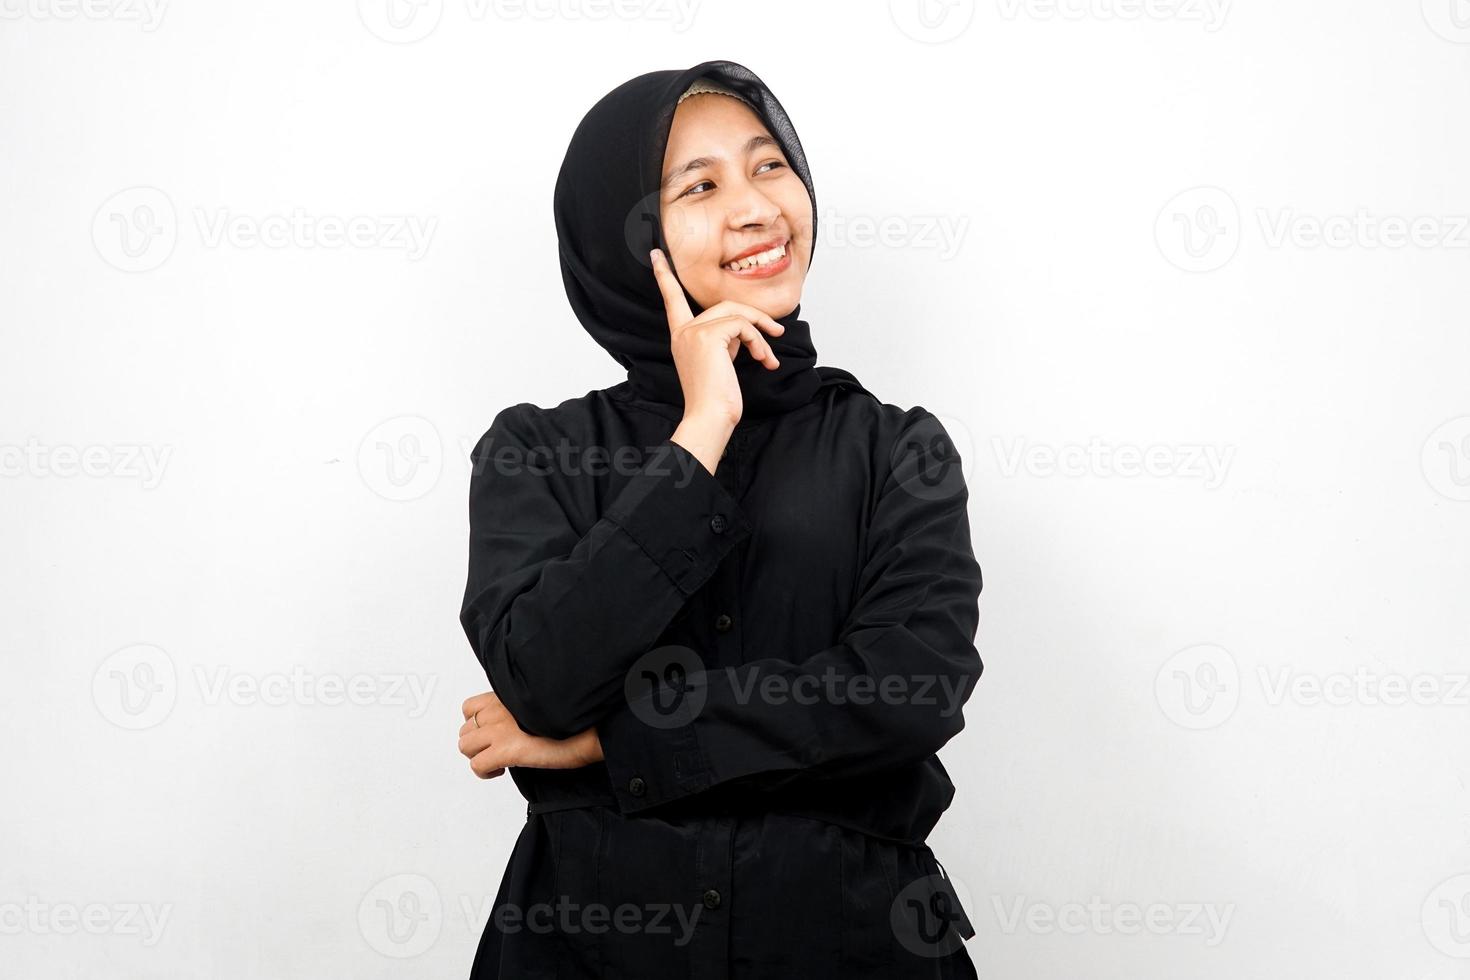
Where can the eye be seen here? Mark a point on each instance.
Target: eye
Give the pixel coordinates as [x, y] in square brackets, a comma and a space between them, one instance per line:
[769, 163]
[691, 189]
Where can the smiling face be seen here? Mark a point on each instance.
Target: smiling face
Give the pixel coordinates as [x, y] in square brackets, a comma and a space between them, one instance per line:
[737, 218]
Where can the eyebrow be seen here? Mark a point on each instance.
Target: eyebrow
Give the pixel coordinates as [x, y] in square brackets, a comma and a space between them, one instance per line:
[699, 163]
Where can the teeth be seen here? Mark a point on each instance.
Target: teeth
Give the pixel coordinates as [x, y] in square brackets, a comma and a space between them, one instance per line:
[760, 258]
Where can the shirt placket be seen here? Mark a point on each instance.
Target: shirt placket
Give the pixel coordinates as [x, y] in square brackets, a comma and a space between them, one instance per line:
[714, 862]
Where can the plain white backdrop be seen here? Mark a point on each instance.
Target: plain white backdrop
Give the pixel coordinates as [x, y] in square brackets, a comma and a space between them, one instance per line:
[1185, 279]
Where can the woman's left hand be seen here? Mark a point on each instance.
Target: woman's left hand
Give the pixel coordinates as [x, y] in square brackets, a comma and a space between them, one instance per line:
[491, 740]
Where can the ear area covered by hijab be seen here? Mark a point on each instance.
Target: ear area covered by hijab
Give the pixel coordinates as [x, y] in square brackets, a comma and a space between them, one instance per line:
[607, 206]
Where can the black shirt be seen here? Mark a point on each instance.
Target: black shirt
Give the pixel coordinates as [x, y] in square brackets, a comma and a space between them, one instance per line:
[772, 655]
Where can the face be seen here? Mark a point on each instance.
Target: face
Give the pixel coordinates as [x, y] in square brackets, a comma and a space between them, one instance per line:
[730, 196]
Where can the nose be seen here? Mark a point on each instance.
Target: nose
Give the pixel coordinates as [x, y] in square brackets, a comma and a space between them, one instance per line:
[752, 208]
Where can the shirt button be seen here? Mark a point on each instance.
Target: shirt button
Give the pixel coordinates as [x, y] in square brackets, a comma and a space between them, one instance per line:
[723, 623]
[636, 786]
[711, 899]
[718, 524]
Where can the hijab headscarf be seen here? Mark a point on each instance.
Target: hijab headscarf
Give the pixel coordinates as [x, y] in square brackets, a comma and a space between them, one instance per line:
[607, 220]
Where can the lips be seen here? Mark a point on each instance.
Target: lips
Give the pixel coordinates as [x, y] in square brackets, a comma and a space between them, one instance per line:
[768, 254]
[757, 249]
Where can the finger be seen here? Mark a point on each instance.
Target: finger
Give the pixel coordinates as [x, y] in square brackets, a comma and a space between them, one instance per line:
[473, 742]
[676, 307]
[759, 349]
[486, 762]
[738, 330]
[477, 702]
[759, 317]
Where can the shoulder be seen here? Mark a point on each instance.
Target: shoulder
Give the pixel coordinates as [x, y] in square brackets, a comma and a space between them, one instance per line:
[885, 424]
[528, 425]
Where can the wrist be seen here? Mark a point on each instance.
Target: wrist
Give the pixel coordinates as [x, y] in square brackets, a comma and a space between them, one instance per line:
[705, 437]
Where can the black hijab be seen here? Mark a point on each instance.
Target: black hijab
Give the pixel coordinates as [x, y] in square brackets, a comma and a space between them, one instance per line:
[607, 221]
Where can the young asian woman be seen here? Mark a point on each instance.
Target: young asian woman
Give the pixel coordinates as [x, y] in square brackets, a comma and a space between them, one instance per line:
[728, 605]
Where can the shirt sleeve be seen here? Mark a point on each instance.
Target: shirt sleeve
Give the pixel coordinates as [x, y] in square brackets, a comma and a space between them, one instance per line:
[887, 695]
[557, 614]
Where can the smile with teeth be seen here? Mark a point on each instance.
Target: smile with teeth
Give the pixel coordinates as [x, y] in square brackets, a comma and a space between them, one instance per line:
[760, 258]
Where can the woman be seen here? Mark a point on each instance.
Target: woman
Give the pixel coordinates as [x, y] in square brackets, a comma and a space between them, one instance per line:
[728, 605]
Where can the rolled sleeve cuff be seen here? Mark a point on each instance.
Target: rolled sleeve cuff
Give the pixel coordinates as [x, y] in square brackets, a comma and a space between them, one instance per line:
[650, 764]
[680, 515]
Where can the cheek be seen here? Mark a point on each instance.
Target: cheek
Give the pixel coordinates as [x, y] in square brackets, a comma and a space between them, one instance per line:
[692, 236]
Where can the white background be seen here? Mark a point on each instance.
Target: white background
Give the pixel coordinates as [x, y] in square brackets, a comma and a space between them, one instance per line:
[1185, 229]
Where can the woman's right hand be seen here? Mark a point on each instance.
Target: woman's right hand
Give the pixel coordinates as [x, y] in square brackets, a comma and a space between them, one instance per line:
[705, 346]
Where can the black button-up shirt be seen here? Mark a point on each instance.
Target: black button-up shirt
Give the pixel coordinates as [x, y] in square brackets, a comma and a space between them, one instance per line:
[772, 655]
